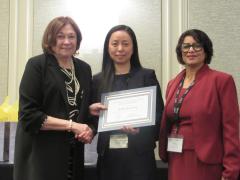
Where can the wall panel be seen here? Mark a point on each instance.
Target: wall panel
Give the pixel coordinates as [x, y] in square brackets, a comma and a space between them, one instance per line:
[220, 20]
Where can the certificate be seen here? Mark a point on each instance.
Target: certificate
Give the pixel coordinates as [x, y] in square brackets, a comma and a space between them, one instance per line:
[134, 107]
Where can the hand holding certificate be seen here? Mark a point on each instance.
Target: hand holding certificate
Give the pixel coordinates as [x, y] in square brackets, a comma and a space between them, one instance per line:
[135, 108]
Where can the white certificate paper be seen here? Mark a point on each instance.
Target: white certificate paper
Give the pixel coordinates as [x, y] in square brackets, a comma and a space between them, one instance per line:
[135, 108]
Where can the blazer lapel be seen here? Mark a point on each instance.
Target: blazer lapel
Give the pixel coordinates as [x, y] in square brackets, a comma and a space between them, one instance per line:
[58, 76]
[172, 86]
[79, 73]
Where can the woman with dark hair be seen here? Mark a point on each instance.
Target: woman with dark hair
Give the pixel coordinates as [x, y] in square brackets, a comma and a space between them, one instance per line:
[54, 97]
[121, 70]
[199, 135]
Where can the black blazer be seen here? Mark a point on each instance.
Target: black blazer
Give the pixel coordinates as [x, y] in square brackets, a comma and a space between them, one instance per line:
[145, 140]
[44, 154]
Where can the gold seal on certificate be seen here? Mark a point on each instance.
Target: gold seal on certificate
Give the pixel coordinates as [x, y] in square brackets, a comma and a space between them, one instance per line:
[134, 107]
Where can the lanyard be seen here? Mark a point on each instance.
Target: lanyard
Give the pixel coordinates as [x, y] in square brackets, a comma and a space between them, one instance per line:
[178, 101]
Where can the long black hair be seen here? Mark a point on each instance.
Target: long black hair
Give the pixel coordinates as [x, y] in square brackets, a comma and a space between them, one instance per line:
[108, 69]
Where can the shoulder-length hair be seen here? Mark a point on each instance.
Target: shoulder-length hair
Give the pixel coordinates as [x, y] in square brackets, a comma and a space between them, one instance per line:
[108, 69]
[201, 38]
[53, 28]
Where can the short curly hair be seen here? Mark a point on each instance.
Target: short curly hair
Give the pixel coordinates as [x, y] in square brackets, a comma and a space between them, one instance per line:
[201, 38]
[50, 34]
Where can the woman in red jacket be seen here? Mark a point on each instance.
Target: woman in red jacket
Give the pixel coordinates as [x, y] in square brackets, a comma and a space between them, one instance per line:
[199, 134]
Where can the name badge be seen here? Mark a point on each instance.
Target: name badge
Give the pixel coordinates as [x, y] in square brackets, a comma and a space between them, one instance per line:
[118, 141]
[175, 143]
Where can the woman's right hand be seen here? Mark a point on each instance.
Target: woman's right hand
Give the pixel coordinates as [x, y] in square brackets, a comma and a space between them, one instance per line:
[130, 130]
[95, 108]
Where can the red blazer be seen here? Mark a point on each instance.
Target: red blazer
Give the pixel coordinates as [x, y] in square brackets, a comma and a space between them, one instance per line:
[215, 118]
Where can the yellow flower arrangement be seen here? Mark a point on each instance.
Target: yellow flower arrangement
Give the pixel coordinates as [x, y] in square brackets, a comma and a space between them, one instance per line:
[8, 113]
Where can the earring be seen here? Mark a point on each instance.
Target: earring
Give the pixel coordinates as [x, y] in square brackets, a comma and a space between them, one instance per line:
[77, 52]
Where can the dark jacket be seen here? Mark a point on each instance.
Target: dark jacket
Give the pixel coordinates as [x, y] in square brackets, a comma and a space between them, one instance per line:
[145, 140]
[43, 155]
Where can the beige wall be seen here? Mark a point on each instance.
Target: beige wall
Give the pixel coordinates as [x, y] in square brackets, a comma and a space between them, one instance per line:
[4, 26]
[95, 21]
[220, 20]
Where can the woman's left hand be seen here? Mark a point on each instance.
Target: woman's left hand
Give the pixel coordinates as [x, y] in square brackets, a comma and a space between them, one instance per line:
[130, 130]
[85, 136]
[96, 108]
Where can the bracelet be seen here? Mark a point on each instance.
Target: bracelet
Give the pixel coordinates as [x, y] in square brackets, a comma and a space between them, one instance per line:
[70, 126]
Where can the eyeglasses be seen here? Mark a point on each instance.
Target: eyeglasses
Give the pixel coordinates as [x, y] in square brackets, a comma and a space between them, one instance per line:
[186, 46]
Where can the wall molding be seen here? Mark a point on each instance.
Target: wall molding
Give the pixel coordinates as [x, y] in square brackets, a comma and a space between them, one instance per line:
[174, 22]
[20, 42]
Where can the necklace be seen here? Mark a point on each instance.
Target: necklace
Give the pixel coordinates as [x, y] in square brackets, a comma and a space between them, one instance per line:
[72, 85]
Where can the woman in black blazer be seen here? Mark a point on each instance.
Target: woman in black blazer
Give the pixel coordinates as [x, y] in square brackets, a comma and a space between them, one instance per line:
[121, 70]
[54, 97]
